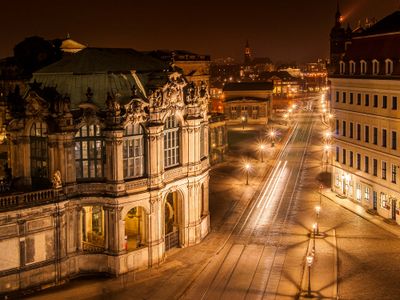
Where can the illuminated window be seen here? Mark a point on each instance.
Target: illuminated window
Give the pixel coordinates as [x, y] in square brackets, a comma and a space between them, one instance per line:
[384, 203]
[89, 152]
[39, 151]
[171, 142]
[388, 67]
[375, 67]
[358, 192]
[342, 67]
[352, 66]
[363, 67]
[367, 193]
[133, 151]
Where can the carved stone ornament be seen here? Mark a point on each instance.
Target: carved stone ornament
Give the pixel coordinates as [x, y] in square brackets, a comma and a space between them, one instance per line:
[136, 111]
[113, 106]
[62, 106]
[56, 180]
[35, 105]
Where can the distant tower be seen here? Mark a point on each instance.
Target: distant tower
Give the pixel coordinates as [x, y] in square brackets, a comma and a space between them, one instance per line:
[337, 40]
[247, 53]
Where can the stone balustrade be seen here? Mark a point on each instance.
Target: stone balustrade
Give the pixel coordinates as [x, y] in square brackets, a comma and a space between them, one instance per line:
[12, 201]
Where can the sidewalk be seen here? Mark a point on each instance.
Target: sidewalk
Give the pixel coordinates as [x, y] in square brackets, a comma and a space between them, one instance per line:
[359, 210]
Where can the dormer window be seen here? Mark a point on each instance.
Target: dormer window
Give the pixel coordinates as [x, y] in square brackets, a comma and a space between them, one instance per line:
[388, 67]
[375, 67]
[342, 67]
[352, 66]
[363, 67]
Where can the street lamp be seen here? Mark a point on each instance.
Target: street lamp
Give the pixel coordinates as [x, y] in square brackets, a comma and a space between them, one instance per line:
[243, 119]
[247, 168]
[317, 211]
[327, 147]
[262, 147]
[314, 227]
[272, 135]
[309, 259]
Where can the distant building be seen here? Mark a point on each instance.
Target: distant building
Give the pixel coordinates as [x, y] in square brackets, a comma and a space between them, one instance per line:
[218, 137]
[109, 168]
[365, 92]
[315, 77]
[248, 102]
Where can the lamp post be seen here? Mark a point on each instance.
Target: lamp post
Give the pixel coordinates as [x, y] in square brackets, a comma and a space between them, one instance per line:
[262, 147]
[243, 119]
[272, 135]
[327, 147]
[314, 229]
[309, 259]
[247, 168]
[320, 194]
[317, 211]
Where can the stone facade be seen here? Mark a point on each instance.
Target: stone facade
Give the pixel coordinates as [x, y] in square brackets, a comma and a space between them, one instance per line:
[365, 89]
[106, 176]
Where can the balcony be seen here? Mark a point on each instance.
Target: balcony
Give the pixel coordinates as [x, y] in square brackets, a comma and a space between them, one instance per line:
[21, 199]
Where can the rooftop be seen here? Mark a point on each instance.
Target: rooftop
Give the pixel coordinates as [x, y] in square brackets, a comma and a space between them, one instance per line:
[249, 86]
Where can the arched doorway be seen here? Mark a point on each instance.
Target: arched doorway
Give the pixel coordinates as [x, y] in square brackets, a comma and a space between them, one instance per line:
[135, 229]
[171, 219]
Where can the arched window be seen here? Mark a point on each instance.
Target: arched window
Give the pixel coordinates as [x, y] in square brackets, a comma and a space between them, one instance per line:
[133, 151]
[388, 67]
[89, 153]
[39, 151]
[342, 67]
[352, 66]
[363, 67]
[171, 142]
[375, 67]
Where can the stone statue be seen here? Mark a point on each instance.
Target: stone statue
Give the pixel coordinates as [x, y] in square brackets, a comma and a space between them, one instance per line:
[56, 180]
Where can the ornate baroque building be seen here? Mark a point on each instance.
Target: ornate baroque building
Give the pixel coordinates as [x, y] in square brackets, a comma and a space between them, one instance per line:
[109, 166]
[365, 93]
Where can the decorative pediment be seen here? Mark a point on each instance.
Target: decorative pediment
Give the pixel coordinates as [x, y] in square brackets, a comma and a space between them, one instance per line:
[170, 96]
[35, 105]
[136, 111]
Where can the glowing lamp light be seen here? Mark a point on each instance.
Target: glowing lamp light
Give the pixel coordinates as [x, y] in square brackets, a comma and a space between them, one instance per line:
[310, 260]
[327, 147]
[317, 209]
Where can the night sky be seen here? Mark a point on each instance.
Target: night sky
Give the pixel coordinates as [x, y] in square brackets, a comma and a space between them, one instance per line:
[284, 30]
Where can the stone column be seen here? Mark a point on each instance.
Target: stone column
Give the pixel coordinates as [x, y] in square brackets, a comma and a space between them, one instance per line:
[114, 169]
[155, 230]
[115, 231]
[155, 159]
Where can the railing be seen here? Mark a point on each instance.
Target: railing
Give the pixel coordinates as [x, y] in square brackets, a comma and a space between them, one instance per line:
[30, 198]
[171, 240]
[92, 248]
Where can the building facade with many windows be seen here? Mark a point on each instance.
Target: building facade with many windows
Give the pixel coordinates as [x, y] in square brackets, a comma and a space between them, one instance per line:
[365, 94]
[109, 167]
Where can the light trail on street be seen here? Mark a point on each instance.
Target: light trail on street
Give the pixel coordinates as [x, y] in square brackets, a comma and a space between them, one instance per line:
[250, 265]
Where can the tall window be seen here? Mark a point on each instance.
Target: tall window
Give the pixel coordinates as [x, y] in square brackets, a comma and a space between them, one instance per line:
[375, 140]
[394, 103]
[89, 152]
[375, 67]
[358, 99]
[359, 132]
[351, 98]
[366, 134]
[337, 127]
[375, 167]
[363, 67]
[375, 100]
[344, 156]
[366, 164]
[344, 128]
[351, 159]
[383, 169]
[384, 102]
[366, 99]
[388, 67]
[358, 161]
[384, 138]
[171, 142]
[352, 66]
[394, 173]
[337, 153]
[394, 140]
[342, 67]
[337, 96]
[39, 151]
[351, 130]
[133, 151]
[344, 97]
